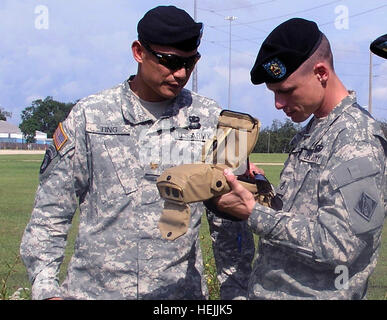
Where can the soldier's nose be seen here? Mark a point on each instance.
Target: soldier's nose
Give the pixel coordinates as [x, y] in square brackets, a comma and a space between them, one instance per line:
[180, 73]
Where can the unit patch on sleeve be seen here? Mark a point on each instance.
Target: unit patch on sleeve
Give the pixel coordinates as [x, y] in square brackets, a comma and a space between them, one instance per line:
[50, 158]
[366, 206]
[60, 137]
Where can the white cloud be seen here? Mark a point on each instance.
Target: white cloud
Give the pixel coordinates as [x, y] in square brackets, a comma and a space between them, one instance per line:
[240, 76]
[28, 100]
[379, 93]
[71, 89]
[222, 71]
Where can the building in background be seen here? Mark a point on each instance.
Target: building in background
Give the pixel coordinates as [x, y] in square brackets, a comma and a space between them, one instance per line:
[11, 137]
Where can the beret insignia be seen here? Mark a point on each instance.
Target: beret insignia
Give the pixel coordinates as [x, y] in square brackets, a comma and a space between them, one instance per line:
[275, 68]
[383, 46]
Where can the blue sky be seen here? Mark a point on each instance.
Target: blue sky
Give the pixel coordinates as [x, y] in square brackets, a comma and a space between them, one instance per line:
[69, 49]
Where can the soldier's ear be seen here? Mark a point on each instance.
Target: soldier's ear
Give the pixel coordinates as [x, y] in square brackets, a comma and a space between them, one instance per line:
[138, 51]
[322, 73]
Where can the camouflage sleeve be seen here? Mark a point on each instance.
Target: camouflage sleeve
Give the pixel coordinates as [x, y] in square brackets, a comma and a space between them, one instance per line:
[44, 239]
[350, 209]
[233, 246]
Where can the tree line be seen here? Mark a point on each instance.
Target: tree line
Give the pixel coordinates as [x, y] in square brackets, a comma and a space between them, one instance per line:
[45, 115]
[4, 114]
[41, 115]
[277, 137]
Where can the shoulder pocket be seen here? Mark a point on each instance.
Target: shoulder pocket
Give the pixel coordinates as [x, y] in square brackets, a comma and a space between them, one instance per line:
[363, 200]
[351, 171]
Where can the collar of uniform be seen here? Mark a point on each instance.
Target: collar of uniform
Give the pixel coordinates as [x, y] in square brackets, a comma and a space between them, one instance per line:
[175, 117]
[310, 139]
[344, 104]
[134, 112]
[130, 106]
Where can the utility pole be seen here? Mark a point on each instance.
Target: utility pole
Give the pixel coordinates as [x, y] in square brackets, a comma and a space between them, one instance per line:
[370, 87]
[268, 143]
[195, 70]
[231, 19]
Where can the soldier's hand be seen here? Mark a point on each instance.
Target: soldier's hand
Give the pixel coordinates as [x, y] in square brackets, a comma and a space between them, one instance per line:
[253, 170]
[239, 202]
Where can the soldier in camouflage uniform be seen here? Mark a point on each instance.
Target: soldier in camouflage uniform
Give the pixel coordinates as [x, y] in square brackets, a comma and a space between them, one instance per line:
[106, 158]
[324, 241]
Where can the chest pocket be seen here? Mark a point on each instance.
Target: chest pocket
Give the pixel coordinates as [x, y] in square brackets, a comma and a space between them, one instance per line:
[113, 159]
[126, 167]
[300, 176]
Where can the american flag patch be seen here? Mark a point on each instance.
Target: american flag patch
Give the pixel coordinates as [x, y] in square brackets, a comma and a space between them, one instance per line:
[60, 137]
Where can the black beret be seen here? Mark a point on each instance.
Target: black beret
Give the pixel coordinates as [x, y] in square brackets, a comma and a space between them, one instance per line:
[379, 46]
[285, 49]
[170, 26]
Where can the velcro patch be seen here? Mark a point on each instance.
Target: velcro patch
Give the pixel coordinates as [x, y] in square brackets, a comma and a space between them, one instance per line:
[366, 206]
[50, 154]
[60, 137]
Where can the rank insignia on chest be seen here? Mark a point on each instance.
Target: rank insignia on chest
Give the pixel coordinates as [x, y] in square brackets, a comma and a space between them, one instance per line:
[153, 166]
[60, 137]
[275, 68]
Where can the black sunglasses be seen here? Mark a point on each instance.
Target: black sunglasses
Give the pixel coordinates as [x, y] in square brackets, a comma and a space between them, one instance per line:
[173, 62]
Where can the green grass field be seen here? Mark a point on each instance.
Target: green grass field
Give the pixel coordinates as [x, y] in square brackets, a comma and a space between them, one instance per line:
[18, 182]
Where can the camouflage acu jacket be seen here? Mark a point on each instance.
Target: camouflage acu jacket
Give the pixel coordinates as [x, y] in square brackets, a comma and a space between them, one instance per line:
[107, 156]
[324, 242]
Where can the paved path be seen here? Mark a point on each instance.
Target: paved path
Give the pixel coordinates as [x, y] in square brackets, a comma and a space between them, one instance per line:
[22, 152]
[268, 163]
